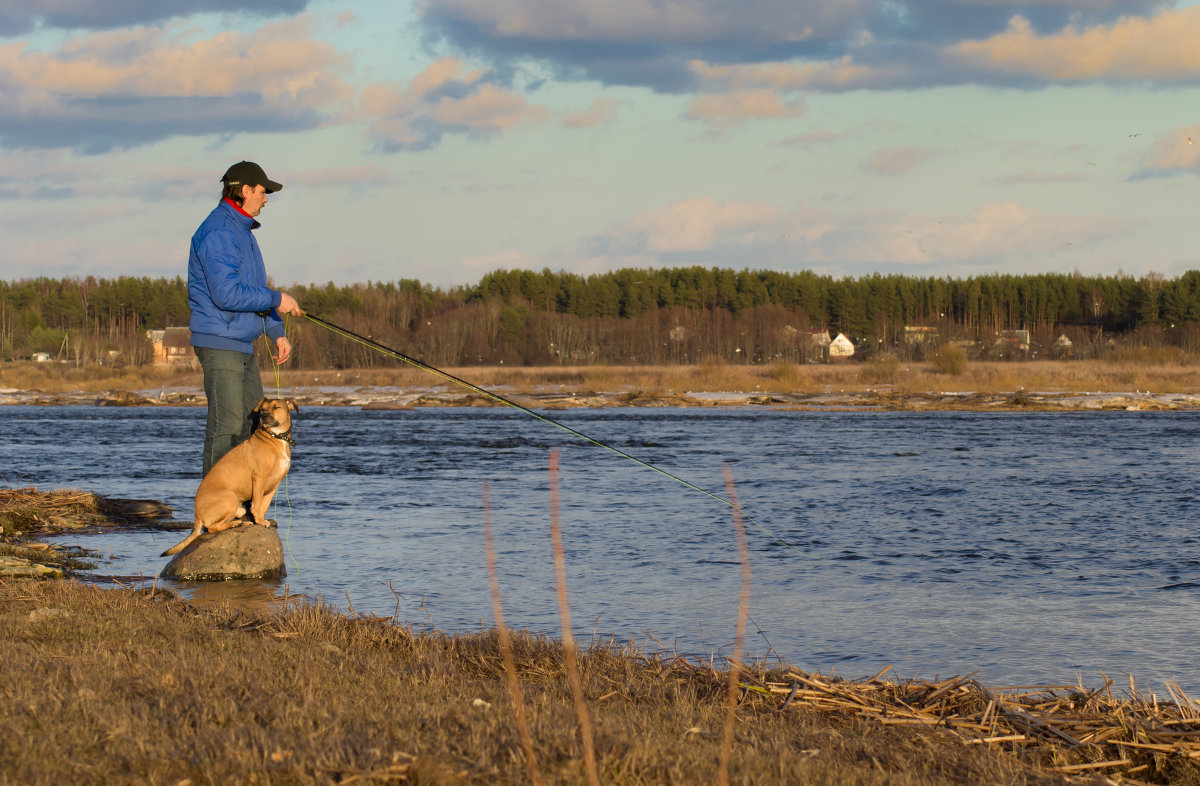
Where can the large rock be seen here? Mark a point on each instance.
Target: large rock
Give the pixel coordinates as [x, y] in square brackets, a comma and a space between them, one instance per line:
[246, 552]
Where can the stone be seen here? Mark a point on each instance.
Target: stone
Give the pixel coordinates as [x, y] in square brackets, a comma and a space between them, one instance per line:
[19, 568]
[250, 551]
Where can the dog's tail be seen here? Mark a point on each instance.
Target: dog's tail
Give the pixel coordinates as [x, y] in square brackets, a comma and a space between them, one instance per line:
[178, 547]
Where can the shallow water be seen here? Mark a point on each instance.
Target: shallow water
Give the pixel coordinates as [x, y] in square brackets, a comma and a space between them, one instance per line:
[1036, 548]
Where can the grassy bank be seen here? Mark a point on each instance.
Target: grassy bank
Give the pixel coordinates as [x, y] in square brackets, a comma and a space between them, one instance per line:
[1156, 371]
[139, 686]
[121, 686]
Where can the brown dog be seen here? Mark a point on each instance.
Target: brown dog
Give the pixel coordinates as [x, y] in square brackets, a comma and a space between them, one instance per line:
[252, 471]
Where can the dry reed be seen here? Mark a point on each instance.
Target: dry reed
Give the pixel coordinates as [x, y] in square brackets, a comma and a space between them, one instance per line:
[735, 663]
[1071, 728]
[506, 650]
[27, 511]
[568, 638]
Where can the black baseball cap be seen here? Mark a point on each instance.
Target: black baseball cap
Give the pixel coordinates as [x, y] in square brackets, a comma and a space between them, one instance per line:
[248, 173]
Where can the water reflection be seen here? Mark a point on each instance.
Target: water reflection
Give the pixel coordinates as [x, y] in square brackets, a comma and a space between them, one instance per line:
[259, 596]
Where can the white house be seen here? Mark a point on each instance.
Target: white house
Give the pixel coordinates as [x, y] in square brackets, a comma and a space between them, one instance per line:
[841, 347]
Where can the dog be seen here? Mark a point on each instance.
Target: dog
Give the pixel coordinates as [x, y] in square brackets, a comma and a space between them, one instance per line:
[252, 470]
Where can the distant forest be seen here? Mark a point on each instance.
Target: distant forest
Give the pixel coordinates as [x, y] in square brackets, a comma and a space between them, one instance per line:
[630, 316]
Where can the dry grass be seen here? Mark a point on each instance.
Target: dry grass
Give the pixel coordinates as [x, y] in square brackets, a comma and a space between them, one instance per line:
[949, 359]
[56, 378]
[116, 687]
[26, 512]
[1160, 371]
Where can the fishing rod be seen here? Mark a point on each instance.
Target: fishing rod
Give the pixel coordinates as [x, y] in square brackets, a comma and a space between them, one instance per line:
[398, 355]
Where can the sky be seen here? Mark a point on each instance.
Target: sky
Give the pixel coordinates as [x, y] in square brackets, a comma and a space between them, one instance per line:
[439, 140]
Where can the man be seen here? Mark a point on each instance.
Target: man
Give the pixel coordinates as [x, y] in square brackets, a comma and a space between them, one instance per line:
[232, 306]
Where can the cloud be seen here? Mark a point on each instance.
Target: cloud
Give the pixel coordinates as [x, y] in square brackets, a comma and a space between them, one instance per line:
[641, 22]
[896, 160]
[1175, 153]
[812, 139]
[440, 100]
[11, 189]
[358, 178]
[637, 42]
[21, 16]
[844, 73]
[770, 44]
[730, 109]
[702, 230]
[987, 235]
[1161, 48]
[1040, 178]
[601, 112]
[696, 224]
[501, 260]
[125, 88]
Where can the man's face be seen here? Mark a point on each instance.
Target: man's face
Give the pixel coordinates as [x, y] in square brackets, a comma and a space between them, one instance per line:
[253, 199]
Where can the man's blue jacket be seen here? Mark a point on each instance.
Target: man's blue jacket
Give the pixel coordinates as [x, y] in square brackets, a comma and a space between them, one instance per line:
[227, 284]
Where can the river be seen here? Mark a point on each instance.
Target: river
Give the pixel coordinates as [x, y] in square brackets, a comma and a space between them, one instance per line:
[1036, 549]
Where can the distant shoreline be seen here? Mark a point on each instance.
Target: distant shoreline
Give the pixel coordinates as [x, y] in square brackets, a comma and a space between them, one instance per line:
[884, 384]
[880, 399]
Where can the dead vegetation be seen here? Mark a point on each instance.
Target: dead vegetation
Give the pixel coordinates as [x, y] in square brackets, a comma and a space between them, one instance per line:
[122, 686]
[1119, 372]
[28, 512]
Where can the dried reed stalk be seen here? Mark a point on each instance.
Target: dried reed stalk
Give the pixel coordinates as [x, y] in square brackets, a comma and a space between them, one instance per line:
[739, 636]
[510, 666]
[568, 641]
[1096, 728]
[58, 501]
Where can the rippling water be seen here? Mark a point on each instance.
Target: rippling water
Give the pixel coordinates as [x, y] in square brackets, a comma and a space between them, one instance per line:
[1036, 548]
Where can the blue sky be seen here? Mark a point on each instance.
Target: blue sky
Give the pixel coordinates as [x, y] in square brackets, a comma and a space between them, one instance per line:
[443, 139]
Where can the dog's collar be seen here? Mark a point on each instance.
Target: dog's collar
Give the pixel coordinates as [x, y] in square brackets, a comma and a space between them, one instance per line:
[285, 436]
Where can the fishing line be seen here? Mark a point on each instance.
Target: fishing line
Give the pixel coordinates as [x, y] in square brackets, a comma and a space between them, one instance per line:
[287, 541]
[371, 344]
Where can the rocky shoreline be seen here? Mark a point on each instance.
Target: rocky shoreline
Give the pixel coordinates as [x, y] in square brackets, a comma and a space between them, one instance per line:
[29, 514]
[881, 399]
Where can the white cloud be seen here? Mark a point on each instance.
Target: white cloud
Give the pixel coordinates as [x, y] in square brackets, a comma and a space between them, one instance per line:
[499, 260]
[1161, 48]
[843, 73]
[601, 112]
[896, 160]
[1176, 151]
[723, 110]
[130, 87]
[443, 99]
[702, 230]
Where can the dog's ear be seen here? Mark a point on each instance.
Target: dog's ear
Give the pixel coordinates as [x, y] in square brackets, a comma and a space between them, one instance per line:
[258, 407]
[292, 405]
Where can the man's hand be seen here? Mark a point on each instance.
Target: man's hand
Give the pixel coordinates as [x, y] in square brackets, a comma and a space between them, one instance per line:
[288, 305]
[283, 349]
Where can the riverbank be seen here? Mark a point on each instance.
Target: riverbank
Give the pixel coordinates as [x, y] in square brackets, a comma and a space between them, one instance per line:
[127, 686]
[1136, 384]
[116, 681]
